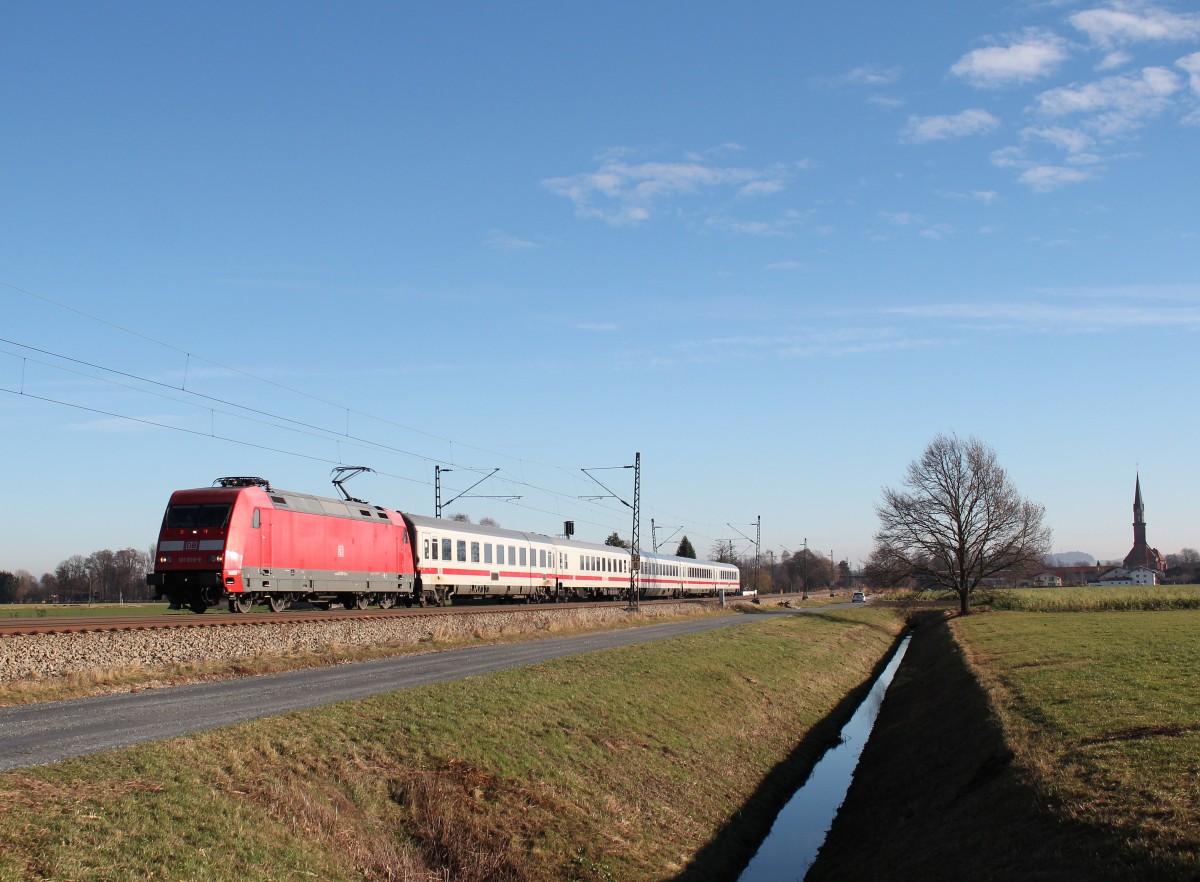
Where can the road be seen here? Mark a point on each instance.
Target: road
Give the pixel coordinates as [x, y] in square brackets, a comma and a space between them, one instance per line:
[43, 733]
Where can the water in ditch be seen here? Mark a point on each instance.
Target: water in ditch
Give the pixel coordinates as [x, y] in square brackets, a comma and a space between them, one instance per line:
[800, 827]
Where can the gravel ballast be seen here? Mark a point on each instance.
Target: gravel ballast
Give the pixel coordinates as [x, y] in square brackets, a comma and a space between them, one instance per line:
[32, 656]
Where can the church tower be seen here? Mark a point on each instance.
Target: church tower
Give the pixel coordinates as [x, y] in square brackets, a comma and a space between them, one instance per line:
[1142, 555]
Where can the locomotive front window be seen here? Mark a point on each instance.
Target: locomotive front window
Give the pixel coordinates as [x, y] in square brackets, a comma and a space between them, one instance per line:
[190, 517]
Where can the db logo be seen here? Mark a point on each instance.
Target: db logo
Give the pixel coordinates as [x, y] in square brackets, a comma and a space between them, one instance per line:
[191, 546]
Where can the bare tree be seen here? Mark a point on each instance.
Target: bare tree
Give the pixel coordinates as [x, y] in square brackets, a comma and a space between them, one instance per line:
[958, 520]
[722, 551]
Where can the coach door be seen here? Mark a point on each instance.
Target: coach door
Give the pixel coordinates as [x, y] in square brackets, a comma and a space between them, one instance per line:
[262, 523]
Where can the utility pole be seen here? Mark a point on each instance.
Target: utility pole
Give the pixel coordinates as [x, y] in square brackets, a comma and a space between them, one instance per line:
[805, 594]
[635, 555]
[437, 489]
[757, 549]
[635, 546]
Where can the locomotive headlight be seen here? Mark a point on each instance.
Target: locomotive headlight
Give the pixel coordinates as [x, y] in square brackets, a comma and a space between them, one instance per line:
[164, 558]
[216, 558]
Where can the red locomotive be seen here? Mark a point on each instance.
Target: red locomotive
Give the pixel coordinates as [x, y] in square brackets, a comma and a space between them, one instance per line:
[241, 540]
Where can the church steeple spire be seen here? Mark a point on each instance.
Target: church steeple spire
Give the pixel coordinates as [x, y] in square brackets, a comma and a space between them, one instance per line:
[1139, 514]
[1142, 555]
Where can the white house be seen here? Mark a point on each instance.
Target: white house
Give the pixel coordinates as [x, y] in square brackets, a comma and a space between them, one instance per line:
[1123, 576]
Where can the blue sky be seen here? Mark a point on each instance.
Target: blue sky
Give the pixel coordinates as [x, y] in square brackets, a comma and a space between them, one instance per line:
[775, 248]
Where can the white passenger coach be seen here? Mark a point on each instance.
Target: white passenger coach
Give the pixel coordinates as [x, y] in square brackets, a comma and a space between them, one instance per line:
[467, 561]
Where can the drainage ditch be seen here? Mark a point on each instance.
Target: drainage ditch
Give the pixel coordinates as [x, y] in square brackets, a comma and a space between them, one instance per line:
[800, 827]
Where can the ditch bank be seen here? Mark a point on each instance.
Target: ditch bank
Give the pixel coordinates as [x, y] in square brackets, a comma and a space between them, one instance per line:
[939, 795]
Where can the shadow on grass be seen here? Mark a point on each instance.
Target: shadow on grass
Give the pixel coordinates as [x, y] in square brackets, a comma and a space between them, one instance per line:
[936, 795]
[730, 850]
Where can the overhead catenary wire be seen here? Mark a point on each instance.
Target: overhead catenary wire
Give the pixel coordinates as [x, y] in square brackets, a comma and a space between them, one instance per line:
[292, 424]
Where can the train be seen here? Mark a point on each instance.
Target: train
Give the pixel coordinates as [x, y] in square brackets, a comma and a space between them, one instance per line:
[242, 542]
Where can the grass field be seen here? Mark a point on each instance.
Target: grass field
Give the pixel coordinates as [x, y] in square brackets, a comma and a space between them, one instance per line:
[617, 765]
[1118, 598]
[67, 610]
[1104, 710]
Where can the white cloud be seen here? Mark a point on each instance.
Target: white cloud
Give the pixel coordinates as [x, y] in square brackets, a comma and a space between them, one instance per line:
[1115, 104]
[1041, 176]
[1191, 64]
[1097, 316]
[1045, 178]
[1070, 140]
[1114, 60]
[922, 129]
[866, 75]
[784, 225]
[623, 193]
[812, 342]
[1036, 54]
[1124, 22]
[501, 241]
[986, 197]
[785, 265]
[596, 326]
[873, 75]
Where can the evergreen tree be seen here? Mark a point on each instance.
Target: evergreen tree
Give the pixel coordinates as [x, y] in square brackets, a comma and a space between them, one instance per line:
[685, 549]
[616, 541]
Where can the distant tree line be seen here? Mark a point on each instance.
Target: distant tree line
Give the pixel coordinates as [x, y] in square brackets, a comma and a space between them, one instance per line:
[101, 577]
[1184, 568]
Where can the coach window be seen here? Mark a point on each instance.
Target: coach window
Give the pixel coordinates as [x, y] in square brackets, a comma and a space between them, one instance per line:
[500, 554]
[512, 555]
[427, 547]
[522, 555]
[447, 549]
[462, 550]
[487, 552]
[474, 552]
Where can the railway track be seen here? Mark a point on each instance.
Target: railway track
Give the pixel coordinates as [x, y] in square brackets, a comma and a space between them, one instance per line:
[81, 624]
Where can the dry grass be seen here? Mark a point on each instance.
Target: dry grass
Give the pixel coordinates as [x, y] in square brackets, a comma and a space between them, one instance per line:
[1117, 598]
[612, 765]
[442, 635]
